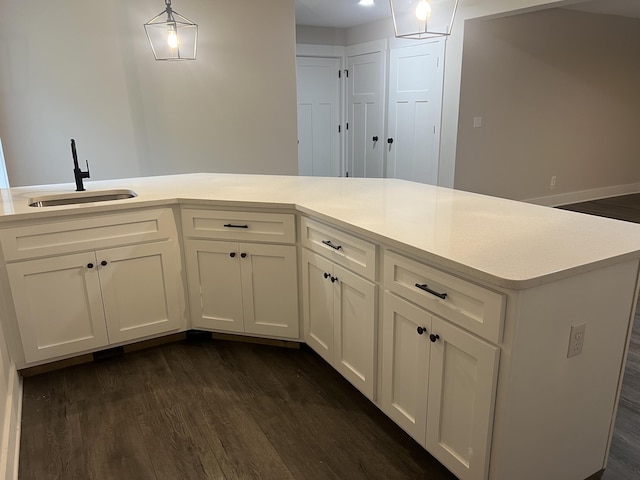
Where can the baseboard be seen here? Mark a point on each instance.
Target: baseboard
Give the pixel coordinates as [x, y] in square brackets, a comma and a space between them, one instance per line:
[10, 453]
[585, 195]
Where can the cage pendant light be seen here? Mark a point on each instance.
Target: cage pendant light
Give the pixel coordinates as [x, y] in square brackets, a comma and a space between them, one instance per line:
[172, 36]
[420, 19]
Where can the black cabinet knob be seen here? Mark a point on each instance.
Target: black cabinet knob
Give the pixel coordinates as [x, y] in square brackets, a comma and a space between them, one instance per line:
[434, 338]
[389, 141]
[243, 255]
[326, 275]
[375, 139]
[421, 330]
[89, 265]
[232, 254]
[103, 263]
[334, 279]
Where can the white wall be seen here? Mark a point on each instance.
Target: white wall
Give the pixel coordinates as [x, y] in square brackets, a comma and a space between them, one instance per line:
[84, 70]
[558, 94]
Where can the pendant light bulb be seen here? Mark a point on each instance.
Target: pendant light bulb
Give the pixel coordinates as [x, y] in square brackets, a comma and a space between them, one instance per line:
[172, 38]
[423, 10]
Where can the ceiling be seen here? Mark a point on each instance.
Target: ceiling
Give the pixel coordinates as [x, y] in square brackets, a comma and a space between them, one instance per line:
[348, 13]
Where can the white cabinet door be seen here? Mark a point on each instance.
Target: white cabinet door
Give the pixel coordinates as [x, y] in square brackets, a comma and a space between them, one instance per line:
[318, 304]
[243, 287]
[415, 101]
[213, 277]
[405, 365]
[59, 305]
[365, 104]
[270, 289]
[140, 285]
[462, 385]
[318, 116]
[438, 384]
[354, 329]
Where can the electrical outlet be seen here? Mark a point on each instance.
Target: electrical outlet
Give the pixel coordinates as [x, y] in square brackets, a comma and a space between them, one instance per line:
[552, 183]
[576, 339]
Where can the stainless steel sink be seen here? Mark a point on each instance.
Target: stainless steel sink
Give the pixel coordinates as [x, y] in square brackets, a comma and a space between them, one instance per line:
[80, 197]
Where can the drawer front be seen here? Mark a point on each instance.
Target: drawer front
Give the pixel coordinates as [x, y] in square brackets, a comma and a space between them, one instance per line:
[466, 304]
[86, 233]
[343, 248]
[242, 226]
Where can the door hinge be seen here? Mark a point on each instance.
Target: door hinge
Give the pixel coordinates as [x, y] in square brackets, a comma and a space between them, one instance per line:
[339, 128]
[347, 125]
[339, 73]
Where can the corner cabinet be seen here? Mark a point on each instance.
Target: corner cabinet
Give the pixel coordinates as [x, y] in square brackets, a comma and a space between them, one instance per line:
[84, 300]
[339, 305]
[438, 380]
[242, 286]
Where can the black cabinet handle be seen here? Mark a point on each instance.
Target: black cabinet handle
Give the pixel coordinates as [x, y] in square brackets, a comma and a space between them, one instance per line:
[389, 141]
[329, 244]
[434, 338]
[326, 275]
[334, 279]
[421, 330]
[375, 139]
[89, 265]
[103, 263]
[243, 255]
[232, 254]
[432, 292]
[231, 225]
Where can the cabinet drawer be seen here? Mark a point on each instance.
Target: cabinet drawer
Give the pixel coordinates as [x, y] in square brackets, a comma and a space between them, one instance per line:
[242, 226]
[86, 233]
[471, 306]
[343, 248]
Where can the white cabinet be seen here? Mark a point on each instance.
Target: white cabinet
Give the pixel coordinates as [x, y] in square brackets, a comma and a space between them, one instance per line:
[438, 384]
[70, 303]
[340, 319]
[242, 286]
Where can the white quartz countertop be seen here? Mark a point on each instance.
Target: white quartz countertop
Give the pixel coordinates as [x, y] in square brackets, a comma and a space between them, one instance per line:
[503, 242]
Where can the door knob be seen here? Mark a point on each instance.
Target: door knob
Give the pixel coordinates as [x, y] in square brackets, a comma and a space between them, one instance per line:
[375, 139]
[389, 141]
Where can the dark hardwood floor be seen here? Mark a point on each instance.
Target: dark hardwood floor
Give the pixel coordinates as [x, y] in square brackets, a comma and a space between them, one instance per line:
[215, 410]
[227, 410]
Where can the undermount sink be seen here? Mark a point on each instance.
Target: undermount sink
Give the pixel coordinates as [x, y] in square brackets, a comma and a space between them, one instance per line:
[80, 197]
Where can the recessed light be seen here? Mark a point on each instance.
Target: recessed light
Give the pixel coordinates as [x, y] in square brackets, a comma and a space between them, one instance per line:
[365, 3]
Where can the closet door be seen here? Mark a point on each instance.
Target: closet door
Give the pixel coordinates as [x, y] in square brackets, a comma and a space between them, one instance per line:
[365, 115]
[415, 103]
[318, 116]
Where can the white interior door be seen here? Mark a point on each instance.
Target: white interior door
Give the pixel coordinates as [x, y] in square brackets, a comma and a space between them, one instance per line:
[415, 100]
[318, 116]
[365, 100]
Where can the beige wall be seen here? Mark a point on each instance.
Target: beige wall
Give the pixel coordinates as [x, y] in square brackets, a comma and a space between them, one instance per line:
[81, 69]
[558, 94]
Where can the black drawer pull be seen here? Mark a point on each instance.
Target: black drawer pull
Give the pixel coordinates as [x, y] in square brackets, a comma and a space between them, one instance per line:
[432, 292]
[329, 244]
[231, 225]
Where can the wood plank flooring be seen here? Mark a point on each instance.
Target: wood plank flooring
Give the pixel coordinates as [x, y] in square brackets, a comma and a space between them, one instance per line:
[216, 410]
[227, 410]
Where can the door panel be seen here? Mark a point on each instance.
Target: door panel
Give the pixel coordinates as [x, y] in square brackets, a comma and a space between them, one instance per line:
[318, 304]
[318, 116]
[270, 285]
[139, 289]
[213, 277]
[405, 365]
[365, 100]
[461, 396]
[415, 101]
[67, 316]
[355, 329]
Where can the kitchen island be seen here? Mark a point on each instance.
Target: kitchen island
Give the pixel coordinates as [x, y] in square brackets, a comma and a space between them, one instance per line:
[494, 332]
